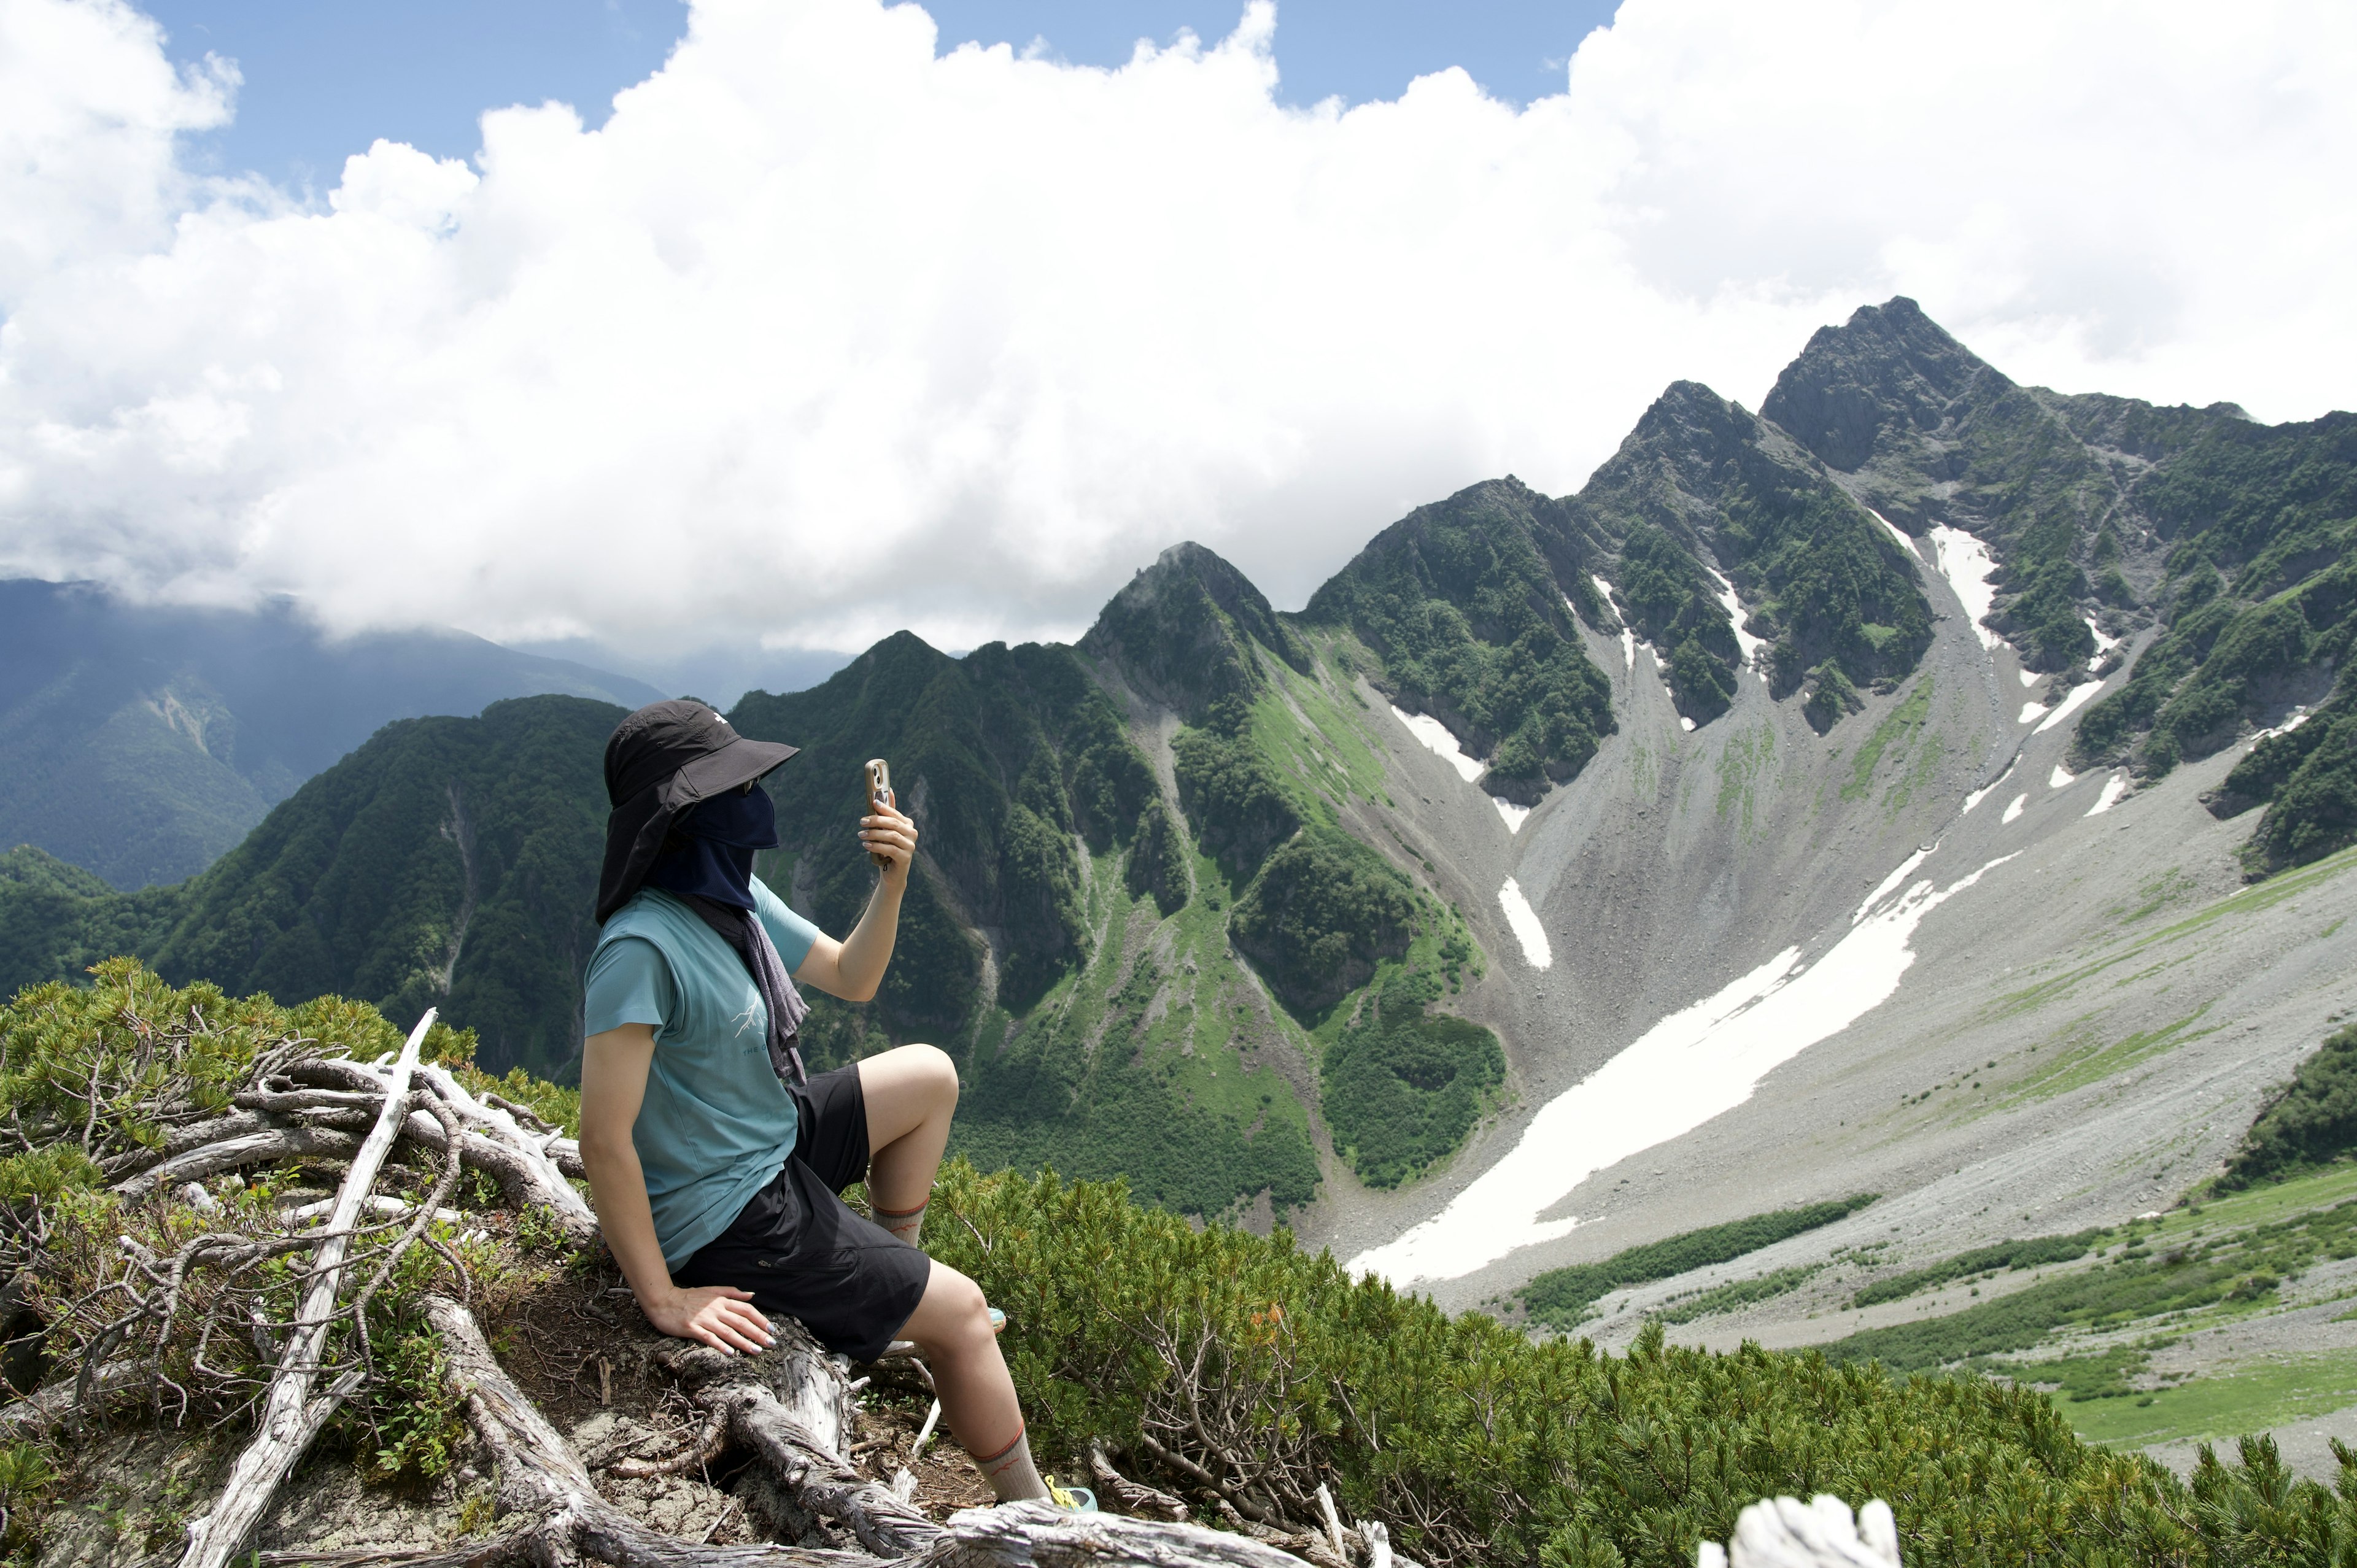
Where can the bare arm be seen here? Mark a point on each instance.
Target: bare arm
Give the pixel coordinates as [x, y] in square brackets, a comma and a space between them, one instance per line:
[853, 968]
[613, 1084]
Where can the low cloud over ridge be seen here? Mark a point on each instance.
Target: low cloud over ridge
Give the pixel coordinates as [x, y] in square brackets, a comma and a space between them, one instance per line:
[822, 334]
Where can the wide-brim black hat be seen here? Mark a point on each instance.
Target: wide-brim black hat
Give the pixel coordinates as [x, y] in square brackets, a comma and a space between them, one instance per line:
[660, 761]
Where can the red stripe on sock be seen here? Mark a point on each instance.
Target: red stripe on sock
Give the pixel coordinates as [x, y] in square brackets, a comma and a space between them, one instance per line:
[994, 1458]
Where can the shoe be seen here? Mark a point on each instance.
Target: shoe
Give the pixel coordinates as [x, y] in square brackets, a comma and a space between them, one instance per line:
[1071, 1499]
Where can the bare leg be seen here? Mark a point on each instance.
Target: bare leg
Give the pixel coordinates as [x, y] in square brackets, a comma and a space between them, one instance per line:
[910, 1094]
[951, 1325]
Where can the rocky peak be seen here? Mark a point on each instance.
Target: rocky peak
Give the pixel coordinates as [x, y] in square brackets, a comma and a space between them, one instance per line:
[1183, 631]
[1887, 377]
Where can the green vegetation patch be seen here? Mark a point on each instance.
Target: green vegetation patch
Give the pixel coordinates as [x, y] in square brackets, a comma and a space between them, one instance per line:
[2148, 1277]
[2248, 1397]
[2311, 1123]
[1736, 1294]
[2034, 1253]
[1132, 1068]
[1468, 621]
[1896, 733]
[1403, 1085]
[1324, 910]
[1562, 1298]
[1129, 1328]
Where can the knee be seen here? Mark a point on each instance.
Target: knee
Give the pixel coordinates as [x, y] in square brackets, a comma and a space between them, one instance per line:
[937, 1073]
[964, 1322]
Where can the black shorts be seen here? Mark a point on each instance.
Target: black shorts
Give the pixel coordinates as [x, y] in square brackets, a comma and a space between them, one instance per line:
[799, 1248]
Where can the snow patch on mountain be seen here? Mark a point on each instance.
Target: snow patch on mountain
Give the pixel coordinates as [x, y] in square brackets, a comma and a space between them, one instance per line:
[2077, 699]
[1904, 543]
[1977, 796]
[1437, 739]
[2013, 812]
[1744, 641]
[1965, 561]
[1697, 1064]
[2114, 788]
[1524, 921]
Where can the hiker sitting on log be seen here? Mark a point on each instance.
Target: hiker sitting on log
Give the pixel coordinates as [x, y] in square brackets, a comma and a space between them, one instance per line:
[717, 1164]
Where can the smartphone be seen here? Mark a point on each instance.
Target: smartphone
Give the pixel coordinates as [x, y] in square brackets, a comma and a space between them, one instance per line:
[879, 793]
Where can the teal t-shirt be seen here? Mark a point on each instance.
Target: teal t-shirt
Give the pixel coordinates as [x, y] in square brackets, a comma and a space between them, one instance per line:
[716, 1125]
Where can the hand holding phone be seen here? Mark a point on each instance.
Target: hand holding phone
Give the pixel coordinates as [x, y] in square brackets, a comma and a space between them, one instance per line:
[879, 794]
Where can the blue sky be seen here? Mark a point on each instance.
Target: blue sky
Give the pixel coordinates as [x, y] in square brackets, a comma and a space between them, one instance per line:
[326, 78]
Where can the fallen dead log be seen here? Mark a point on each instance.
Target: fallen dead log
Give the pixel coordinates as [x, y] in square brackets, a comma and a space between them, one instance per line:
[291, 1418]
[239, 1153]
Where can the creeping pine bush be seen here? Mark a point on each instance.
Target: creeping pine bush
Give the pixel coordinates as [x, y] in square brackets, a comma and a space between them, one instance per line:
[1216, 1362]
[93, 1079]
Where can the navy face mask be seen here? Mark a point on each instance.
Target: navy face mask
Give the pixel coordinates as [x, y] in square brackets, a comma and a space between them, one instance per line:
[718, 839]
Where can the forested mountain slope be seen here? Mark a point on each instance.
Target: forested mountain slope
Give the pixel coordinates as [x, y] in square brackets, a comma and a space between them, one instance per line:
[142, 743]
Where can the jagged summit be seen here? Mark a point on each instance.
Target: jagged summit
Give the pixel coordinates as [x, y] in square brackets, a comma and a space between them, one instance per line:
[1184, 629]
[1882, 383]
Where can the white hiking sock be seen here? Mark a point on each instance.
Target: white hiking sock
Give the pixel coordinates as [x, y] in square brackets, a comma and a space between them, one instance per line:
[906, 1225]
[1012, 1475]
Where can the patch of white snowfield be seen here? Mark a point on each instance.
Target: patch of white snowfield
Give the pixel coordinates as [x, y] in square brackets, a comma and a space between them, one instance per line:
[2029, 677]
[1524, 921]
[2030, 710]
[1628, 650]
[1685, 723]
[2059, 779]
[2298, 717]
[1965, 561]
[2079, 698]
[2114, 788]
[1747, 644]
[1977, 796]
[1904, 543]
[1435, 738]
[1694, 1065]
[2013, 812]
[2103, 644]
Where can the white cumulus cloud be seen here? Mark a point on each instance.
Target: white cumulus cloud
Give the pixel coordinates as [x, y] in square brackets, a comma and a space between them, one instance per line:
[823, 334]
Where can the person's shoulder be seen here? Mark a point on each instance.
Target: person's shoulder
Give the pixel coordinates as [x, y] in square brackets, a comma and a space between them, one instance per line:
[651, 915]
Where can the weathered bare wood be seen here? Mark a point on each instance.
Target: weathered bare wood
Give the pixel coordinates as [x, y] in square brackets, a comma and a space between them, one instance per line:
[237, 1152]
[180, 1140]
[1038, 1535]
[536, 1178]
[791, 1405]
[528, 1175]
[290, 1416]
[1132, 1496]
[543, 1484]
